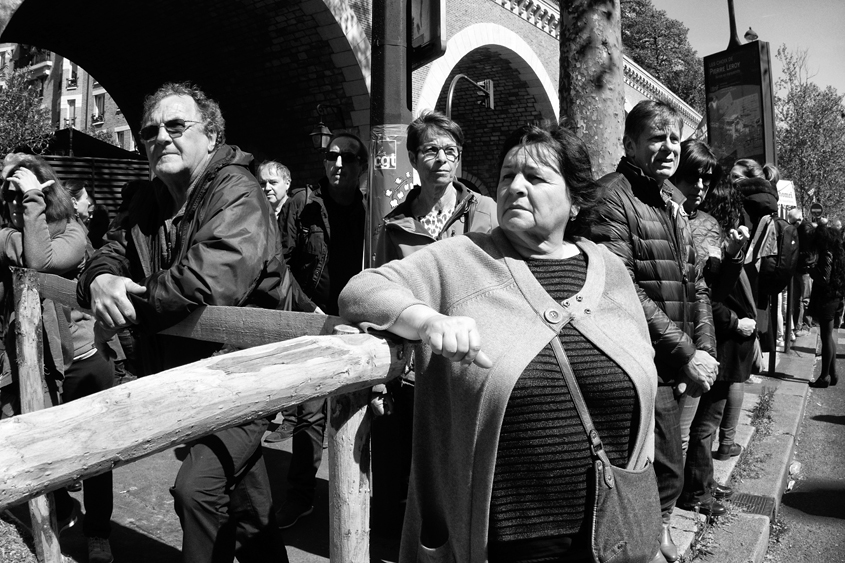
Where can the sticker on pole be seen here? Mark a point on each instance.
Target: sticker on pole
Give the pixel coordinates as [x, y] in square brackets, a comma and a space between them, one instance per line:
[385, 156]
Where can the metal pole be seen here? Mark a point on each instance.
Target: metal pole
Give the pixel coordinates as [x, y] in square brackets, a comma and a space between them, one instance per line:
[733, 41]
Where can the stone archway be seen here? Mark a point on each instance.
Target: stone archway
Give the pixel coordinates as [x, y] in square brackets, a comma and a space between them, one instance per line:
[268, 63]
[500, 40]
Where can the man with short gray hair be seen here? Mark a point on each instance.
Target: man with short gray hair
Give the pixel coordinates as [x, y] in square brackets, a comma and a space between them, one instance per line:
[200, 233]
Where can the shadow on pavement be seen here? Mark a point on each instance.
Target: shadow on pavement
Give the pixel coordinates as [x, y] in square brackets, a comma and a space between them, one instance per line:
[831, 418]
[818, 497]
[128, 545]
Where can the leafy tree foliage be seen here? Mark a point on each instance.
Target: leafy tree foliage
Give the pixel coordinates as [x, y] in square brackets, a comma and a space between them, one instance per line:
[105, 135]
[24, 122]
[660, 45]
[810, 135]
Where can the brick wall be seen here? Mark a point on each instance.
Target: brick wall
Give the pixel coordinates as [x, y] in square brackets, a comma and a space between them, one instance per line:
[485, 130]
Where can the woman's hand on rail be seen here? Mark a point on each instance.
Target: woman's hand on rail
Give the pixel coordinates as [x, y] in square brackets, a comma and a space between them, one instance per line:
[455, 338]
[26, 181]
[110, 300]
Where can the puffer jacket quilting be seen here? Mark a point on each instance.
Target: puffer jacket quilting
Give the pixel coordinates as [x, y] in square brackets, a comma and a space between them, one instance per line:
[646, 226]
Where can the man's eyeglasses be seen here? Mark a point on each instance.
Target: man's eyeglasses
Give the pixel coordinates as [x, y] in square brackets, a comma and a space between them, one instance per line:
[346, 157]
[174, 128]
[430, 152]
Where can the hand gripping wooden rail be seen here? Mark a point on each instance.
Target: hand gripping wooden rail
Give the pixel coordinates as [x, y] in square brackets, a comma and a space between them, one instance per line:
[287, 362]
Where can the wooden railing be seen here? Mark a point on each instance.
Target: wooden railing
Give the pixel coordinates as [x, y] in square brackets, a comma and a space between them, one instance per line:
[287, 362]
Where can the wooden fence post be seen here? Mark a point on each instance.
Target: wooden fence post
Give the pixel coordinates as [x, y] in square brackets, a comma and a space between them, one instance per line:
[31, 380]
[349, 474]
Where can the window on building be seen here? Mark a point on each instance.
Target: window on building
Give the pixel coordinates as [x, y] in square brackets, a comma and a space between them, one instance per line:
[73, 78]
[100, 108]
[71, 113]
[121, 139]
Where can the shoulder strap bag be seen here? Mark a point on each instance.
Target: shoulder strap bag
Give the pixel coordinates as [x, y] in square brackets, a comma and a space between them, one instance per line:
[625, 522]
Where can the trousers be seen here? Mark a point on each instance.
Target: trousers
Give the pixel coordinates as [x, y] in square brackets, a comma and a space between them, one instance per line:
[223, 500]
[668, 455]
[309, 425]
[83, 378]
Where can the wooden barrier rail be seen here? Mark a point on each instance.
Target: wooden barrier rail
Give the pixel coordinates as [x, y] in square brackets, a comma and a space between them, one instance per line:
[49, 448]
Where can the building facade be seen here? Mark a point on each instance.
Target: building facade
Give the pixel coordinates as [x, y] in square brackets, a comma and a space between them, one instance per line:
[270, 64]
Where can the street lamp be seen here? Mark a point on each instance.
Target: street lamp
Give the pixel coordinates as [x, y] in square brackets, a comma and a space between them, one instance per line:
[321, 134]
[485, 88]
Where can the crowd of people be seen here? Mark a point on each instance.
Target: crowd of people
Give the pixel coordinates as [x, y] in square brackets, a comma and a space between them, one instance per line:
[569, 322]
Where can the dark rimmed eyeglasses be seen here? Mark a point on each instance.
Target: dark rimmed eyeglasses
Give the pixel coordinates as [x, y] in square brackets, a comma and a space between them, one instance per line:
[347, 157]
[174, 128]
[430, 152]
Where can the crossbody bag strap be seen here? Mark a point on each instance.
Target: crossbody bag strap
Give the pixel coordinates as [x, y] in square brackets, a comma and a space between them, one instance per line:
[580, 406]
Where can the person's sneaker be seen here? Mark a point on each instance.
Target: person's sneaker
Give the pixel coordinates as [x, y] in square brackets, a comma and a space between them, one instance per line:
[291, 512]
[99, 551]
[66, 522]
[727, 451]
[280, 434]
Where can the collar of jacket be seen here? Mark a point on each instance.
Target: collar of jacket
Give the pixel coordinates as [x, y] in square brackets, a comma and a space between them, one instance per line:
[224, 155]
[403, 210]
[646, 188]
[403, 218]
[320, 191]
[556, 315]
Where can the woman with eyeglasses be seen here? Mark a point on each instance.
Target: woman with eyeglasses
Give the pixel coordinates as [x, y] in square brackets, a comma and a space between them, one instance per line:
[44, 234]
[439, 208]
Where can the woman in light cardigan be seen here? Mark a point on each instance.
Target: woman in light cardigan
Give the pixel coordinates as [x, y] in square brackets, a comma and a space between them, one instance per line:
[500, 460]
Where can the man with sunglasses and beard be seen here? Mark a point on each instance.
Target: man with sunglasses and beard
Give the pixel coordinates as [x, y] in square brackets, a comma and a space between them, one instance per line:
[323, 229]
[200, 233]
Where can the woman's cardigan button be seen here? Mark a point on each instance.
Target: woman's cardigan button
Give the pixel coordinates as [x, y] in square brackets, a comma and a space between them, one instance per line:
[579, 298]
[552, 315]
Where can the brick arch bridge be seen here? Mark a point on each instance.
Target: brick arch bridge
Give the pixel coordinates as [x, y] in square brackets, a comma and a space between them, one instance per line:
[270, 63]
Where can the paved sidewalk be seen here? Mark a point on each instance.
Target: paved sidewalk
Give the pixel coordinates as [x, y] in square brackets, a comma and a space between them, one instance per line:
[757, 497]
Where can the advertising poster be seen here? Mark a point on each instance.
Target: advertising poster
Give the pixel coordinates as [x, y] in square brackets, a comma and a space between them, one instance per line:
[738, 103]
[391, 177]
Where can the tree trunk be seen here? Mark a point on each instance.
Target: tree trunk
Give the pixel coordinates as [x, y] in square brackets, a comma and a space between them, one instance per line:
[592, 88]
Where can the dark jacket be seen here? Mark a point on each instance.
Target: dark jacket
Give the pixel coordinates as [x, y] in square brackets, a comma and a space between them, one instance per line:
[402, 234]
[646, 226]
[225, 251]
[731, 296]
[307, 238]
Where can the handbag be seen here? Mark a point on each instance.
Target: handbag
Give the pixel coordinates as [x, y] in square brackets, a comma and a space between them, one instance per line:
[626, 522]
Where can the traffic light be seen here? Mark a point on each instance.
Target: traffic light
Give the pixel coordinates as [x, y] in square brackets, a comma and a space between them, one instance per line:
[486, 90]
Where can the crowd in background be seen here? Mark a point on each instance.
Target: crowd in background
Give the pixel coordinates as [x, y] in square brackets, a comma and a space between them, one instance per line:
[567, 321]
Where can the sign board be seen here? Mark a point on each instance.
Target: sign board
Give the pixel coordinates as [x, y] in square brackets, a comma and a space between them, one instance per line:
[740, 109]
[786, 194]
[427, 32]
[816, 209]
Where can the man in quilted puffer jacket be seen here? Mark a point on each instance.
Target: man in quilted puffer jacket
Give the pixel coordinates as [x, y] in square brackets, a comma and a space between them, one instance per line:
[644, 223]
